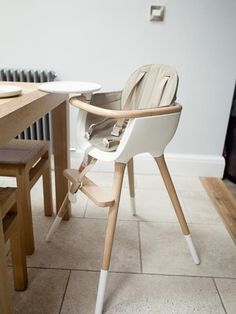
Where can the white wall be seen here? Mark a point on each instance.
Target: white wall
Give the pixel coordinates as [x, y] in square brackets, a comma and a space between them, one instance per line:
[105, 40]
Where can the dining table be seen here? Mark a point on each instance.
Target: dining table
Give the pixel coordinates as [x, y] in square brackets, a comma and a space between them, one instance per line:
[16, 114]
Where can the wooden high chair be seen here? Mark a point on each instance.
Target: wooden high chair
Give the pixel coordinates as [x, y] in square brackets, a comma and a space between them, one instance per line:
[142, 118]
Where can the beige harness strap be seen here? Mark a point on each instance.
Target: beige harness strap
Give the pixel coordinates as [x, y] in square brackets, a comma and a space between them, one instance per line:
[116, 131]
[93, 126]
[160, 89]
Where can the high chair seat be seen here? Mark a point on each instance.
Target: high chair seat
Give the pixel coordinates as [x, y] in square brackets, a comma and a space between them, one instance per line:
[142, 118]
[28, 160]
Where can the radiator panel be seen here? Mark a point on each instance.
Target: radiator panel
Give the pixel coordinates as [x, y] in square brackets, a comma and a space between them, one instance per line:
[41, 129]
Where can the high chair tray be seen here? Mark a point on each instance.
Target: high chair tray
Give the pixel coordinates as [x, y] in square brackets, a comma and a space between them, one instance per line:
[69, 87]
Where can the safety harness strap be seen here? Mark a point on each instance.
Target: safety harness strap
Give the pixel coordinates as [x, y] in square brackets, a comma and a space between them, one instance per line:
[117, 128]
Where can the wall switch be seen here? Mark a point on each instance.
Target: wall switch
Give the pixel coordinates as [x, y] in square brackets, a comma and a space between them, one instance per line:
[157, 13]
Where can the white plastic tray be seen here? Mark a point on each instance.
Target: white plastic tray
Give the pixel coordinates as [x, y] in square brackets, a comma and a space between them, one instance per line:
[69, 87]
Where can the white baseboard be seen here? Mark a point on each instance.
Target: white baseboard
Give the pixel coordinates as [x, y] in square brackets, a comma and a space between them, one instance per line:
[178, 164]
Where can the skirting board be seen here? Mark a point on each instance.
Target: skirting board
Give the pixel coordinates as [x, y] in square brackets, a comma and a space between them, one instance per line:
[184, 165]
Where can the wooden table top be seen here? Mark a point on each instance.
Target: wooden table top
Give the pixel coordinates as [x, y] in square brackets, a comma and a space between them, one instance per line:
[17, 113]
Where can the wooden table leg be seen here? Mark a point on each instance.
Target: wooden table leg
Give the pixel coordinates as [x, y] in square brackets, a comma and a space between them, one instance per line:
[60, 127]
[5, 297]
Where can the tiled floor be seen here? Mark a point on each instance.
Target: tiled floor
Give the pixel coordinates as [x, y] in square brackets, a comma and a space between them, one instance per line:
[151, 268]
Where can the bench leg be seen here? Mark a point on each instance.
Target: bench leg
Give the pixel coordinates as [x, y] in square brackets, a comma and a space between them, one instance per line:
[18, 260]
[5, 296]
[24, 210]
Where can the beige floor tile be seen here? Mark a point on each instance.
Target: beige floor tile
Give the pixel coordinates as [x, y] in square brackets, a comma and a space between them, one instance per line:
[132, 293]
[151, 205]
[105, 179]
[154, 182]
[188, 183]
[37, 204]
[141, 181]
[2, 180]
[44, 293]
[227, 290]
[8, 181]
[164, 250]
[81, 293]
[78, 244]
[200, 207]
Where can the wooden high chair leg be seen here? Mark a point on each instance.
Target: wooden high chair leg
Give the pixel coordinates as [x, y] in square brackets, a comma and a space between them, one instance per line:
[176, 204]
[110, 231]
[47, 191]
[130, 168]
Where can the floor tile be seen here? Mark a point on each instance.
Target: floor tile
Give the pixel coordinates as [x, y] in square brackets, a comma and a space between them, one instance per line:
[164, 250]
[154, 182]
[8, 181]
[81, 293]
[169, 282]
[44, 293]
[105, 179]
[227, 290]
[37, 201]
[184, 183]
[78, 244]
[151, 205]
[200, 207]
[132, 293]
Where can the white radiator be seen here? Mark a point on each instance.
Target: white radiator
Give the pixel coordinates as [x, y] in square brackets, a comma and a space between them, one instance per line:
[40, 130]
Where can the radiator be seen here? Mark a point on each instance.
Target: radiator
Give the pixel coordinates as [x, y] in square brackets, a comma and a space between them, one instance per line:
[41, 129]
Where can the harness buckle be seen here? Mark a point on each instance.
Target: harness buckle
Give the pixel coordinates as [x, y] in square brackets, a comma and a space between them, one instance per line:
[116, 131]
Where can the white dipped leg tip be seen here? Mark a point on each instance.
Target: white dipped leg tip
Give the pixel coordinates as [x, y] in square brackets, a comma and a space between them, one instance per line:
[101, 291]
[192, 249]
[53, 228]
[133, 205]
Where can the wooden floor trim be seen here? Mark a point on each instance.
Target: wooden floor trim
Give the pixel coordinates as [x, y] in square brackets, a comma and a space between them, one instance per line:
[224, 202]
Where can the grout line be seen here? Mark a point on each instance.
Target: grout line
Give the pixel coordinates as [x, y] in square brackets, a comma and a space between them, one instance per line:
[63, 297]
[222, 303]
[140, 248]
[128, 272]
[146, 221]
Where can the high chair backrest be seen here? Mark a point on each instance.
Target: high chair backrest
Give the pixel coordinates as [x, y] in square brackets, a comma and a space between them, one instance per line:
[150, 86]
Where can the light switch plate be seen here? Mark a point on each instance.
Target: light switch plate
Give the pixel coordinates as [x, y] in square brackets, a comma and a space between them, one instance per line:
[157, 13]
